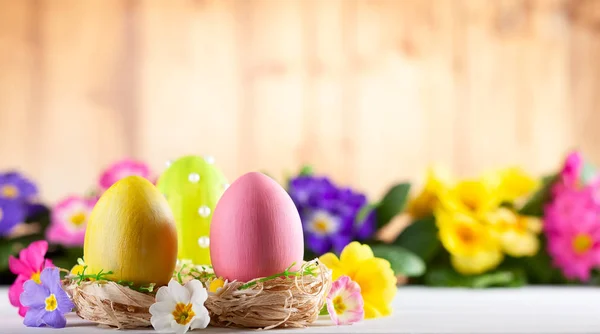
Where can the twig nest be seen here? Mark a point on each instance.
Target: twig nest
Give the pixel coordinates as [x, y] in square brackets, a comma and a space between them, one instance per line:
[110, 303]
[286, 301]
[293, 301]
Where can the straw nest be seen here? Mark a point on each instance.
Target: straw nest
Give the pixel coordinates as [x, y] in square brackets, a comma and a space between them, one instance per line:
[111, 304]
[292, 301]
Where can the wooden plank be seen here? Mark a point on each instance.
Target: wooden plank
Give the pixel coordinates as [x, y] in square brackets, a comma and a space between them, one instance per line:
[84, 93]
[276, 79]
[189, 82]
[585, 77]
[405, 118]
[18, 85]
[515, 71]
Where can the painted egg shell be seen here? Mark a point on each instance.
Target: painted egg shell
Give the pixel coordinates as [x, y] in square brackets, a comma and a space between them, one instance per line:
[131, 232]
[256, 230]
[193, 186]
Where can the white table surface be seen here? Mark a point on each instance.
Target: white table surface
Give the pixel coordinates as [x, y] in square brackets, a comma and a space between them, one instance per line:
[565, 310]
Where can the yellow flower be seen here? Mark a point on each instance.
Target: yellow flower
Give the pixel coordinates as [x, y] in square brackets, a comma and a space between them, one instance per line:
[374, 275]
[513, 183]
[517, 234]
[216, 284]
[423, 205]
[476, 197]
[77, 270]
[473, 246]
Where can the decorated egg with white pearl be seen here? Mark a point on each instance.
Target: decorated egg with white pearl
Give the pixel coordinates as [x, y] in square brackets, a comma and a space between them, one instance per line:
[193, 185]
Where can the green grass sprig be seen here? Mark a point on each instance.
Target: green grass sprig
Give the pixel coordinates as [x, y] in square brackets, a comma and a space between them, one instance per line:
[309, 270]
[103, 276]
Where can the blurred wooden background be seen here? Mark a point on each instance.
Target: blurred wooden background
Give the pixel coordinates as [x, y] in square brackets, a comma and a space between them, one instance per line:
[368, 91]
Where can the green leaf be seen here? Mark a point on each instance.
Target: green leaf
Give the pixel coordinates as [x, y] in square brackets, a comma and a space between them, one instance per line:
[403, 261]
[392, 203]
[324, 310]
[535, 205]
[446, 277]
[306, 170]
[421, 238]
[364, 211]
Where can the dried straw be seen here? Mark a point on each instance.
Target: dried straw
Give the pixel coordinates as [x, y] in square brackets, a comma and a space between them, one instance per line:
[281, 302]
[293, 301]
[111, 304]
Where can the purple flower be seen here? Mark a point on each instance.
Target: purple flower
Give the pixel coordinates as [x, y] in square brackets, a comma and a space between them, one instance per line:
[14, 186]
[330, 214]
[11, 214]
[47, 302]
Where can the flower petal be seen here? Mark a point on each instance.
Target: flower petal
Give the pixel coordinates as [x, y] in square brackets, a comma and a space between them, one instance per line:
[55, 319]
[34, 294]
[15, 290]
[163, 295]
[179, 329]
[355, 254]
[202, 318]
[179, 293]
[161, 322]
[161, 308]
[33, 255]
[373, 311]
[333, 263]
[50, 278]
[34, 316]
[197, 292]
[17, 267]
[64, 303]
[377, 281]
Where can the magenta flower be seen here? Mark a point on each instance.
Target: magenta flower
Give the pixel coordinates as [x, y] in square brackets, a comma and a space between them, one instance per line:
[344, 302]
[572, 220]
[122, 169]
[69, 221]
[47, 302]
[27, 267]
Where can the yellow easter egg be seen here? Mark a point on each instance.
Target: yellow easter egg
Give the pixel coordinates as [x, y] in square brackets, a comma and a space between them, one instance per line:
[131, 232]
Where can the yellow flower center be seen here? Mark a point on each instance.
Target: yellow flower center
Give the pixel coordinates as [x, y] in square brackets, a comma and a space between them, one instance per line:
[216, 284]
[582, 243]
[36, 277]
[338, 305]
[78, 219]
[321, 225]
[183, 313]
[51, 303]
[466, 235]
[10, 191]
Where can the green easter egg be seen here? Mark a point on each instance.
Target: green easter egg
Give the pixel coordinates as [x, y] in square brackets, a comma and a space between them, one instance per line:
[193, 186]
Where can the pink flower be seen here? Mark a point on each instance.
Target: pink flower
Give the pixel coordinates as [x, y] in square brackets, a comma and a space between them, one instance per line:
[576, 248]
[572, 169]
[572, 222]
[344, 302]
[28, 266]
[69, 220]
[122, 169]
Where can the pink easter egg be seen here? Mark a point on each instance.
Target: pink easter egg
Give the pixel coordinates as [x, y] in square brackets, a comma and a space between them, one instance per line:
[255, 230]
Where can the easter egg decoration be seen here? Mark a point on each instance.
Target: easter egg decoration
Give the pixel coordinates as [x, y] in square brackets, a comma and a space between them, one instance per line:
[192, 186]
[131, 233]
[256, 230]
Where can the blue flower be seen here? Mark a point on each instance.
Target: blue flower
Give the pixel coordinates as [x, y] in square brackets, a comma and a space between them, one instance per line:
[47, 302]
[11, 214]
[13, 186]
[329, 214]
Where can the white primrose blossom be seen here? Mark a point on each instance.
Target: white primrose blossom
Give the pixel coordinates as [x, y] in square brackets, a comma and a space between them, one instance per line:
[180, 308]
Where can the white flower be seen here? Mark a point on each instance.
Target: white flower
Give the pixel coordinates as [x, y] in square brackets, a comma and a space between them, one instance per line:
[179, 308]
